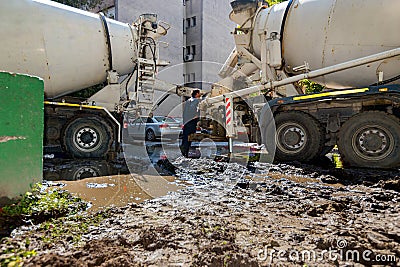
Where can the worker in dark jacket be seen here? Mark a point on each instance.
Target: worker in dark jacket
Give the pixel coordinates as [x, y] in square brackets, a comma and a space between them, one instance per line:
[191, 114]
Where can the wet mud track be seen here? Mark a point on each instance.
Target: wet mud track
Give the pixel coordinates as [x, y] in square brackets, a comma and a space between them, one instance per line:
[228, 215]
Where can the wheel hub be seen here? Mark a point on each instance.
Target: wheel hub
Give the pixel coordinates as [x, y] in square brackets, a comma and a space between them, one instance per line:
[291, 138]
[294, 137]
[373, 142]
[87, 137]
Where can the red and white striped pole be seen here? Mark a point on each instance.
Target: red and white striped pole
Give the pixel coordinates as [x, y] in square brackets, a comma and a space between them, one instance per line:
[229, 121]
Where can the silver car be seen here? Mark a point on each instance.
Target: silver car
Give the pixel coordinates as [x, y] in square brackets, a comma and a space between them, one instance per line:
[155, 127]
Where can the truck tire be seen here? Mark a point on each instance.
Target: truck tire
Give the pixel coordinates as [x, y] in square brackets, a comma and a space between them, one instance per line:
[87, 137]
[370, 139]
[299, 137]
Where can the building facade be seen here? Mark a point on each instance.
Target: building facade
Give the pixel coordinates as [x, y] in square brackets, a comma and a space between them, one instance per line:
[197, 44]
[207, 40]
[199, 40]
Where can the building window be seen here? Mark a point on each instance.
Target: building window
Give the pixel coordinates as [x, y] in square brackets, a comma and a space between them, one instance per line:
[190, 77]
[189, 22]
[189, 53]
[186, 78]
[189, 50]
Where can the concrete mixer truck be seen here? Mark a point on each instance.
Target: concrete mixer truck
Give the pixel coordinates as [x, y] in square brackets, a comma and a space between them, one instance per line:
[349, 46]
[70, 50]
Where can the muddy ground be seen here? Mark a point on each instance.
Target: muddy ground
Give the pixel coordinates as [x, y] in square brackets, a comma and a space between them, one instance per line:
[230, 215]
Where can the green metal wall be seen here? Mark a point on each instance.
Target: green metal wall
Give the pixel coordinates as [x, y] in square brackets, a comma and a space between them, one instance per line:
[21, 134]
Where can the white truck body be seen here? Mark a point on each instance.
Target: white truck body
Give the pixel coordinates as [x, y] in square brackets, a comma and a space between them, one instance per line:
[342, 44]
[323, 34]
[71, 50]
[67, 47]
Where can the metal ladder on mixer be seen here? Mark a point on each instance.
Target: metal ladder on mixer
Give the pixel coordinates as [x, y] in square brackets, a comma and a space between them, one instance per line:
[146, 71]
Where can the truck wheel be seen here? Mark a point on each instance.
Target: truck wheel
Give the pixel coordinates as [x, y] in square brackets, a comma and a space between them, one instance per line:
[150, 135]
[87, 137]
[370, 139]
[298, 137]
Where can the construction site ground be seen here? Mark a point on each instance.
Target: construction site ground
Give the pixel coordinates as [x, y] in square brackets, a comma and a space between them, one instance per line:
[226, 214]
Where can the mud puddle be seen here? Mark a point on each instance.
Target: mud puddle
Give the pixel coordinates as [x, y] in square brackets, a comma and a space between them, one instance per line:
[104, 190]
[108, 191]
[130, 178]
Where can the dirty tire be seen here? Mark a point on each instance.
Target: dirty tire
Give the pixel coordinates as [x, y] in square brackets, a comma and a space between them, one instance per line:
[87, 137]
[299, 137]
[370, 139]
[150, 135]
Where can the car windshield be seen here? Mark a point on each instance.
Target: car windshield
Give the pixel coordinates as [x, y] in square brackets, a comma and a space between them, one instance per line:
[164, 119]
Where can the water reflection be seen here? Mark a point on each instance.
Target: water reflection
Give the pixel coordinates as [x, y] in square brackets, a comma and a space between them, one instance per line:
[71, 170]
[144, 170]
[139, 157]
[135, 176]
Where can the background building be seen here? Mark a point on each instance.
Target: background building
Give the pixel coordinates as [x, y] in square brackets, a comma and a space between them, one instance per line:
[169, 11]
[207, 40]
[199, 40]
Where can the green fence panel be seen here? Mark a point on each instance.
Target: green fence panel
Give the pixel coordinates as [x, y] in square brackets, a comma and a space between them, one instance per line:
[21, 134]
